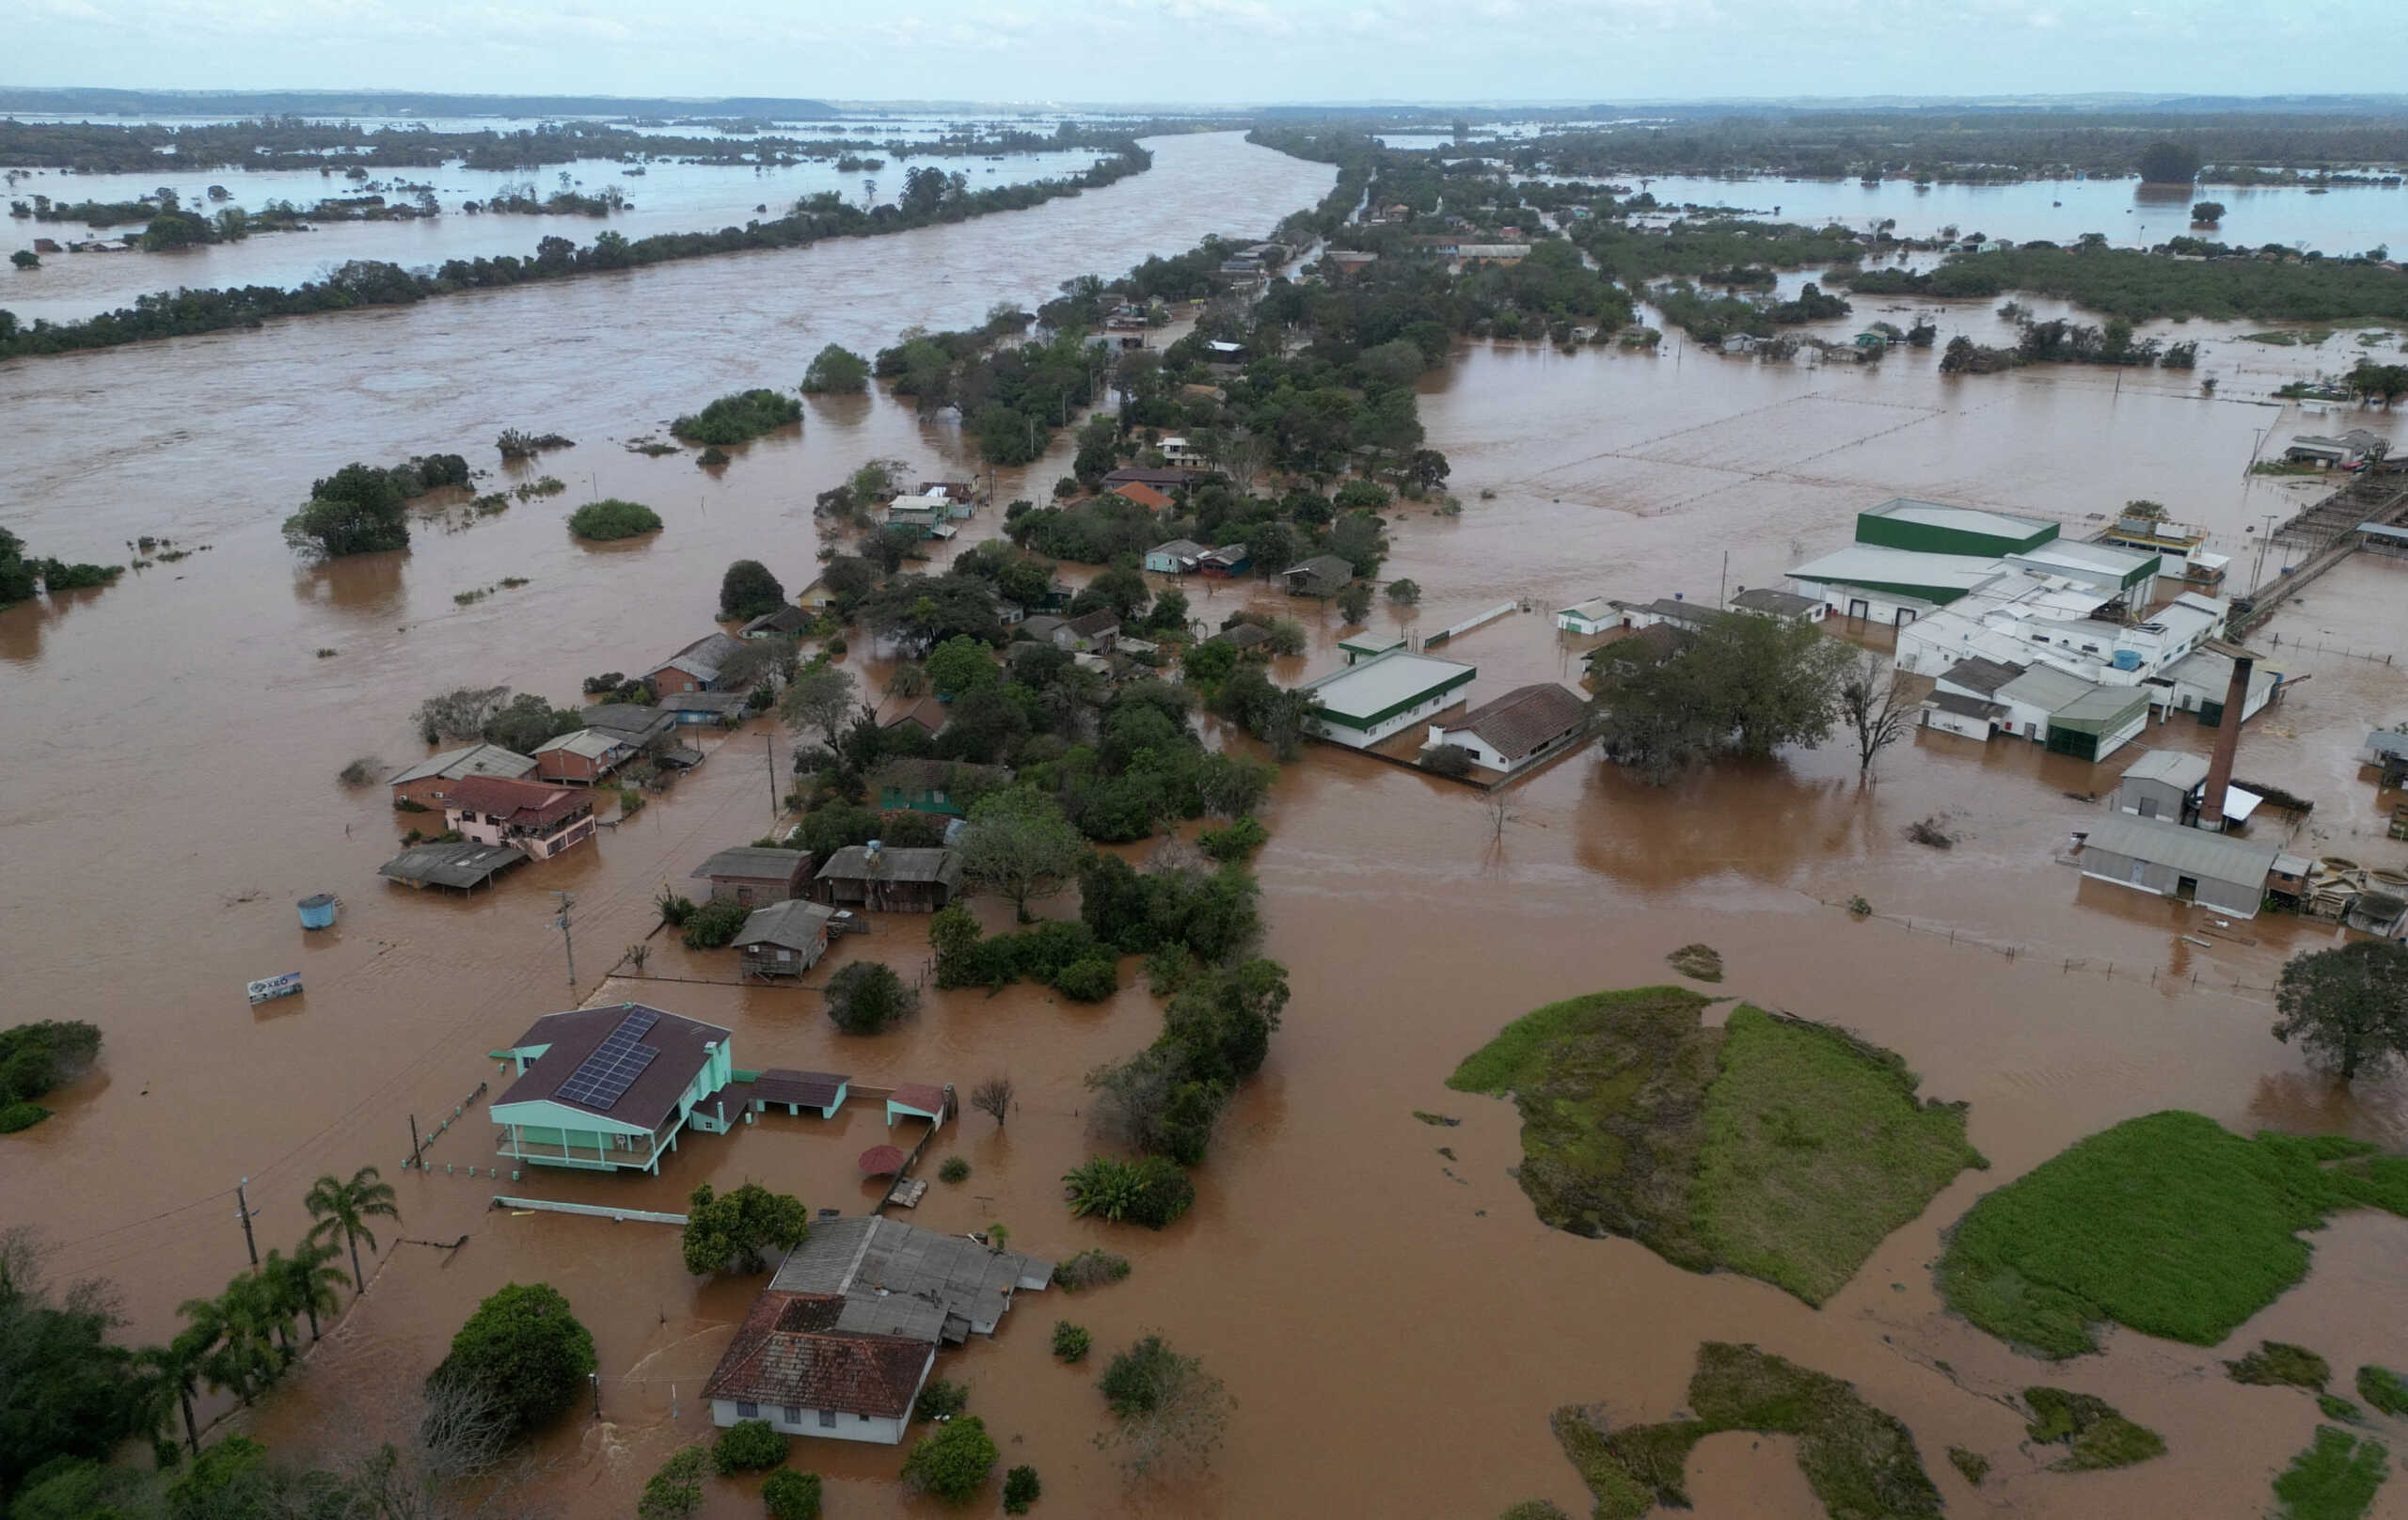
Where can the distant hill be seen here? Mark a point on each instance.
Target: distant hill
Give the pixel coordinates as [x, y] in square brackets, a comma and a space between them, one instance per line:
[390, 103]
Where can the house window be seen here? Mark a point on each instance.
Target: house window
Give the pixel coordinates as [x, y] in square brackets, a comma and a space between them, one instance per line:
[794, 1414]
[827, 1419]
[747, 1410]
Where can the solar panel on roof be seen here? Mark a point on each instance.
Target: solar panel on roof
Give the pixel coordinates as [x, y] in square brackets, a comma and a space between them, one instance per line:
[603, 1078]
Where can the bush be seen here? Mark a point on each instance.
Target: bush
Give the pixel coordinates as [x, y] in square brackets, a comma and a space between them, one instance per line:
[526, 1351]
[954, 1170]
[953, 1462]
[1070, 1341]
[2380, 1386]
[789, 1495]
[609, 518]
[1090, 1268]
[866, 996]
[713, 923]
[1404, 593]
[1088, 979]
[37, 1057]
[675, 1492]
[713, 457]
[1240, 838]
[836, 371]
[1021, 1489]
[21, 1115]
[736, 1229]
[360, 771]
[2277, 1363]
[940, 1400]
[733, 418]
[748, 1445]
[1150, 1191]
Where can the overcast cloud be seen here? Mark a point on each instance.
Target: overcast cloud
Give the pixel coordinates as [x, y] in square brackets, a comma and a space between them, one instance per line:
[1202, 51]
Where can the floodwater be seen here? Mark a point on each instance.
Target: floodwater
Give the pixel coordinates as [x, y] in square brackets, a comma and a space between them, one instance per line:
[667, 198]
[2343, 219]
[1393, 1322]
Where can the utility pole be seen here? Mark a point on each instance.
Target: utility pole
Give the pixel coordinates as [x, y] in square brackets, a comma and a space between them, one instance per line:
[567, 901]
[1725, 583]
[243, 1209]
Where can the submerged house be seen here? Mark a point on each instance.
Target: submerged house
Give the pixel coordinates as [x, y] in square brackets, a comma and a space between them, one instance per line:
[841, 1341]
[945, 787]
[915, 880]
[785, 938]
[582, 758]
[1176, 558]
[694, 667]
[2172, 784]
[1359, 705]
[754, 876]
[1323, 575]
[537, 820]
[427, 783]
[1595, 615]
[607, 1088]
[2220, 871]
[1507, 732]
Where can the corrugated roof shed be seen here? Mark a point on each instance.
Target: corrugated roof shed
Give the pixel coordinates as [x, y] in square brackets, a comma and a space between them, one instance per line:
[465, 865]
[2190, 851]
[1524, 720]
[918, 863]
[755, 862]
[797, 923]
[470, 760]
[2174, 768]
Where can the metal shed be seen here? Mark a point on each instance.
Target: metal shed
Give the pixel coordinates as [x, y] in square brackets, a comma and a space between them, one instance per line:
[2220, 871]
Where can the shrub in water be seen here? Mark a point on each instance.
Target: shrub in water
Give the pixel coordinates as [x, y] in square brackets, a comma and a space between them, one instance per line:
[789, 1495]
[748, 1445]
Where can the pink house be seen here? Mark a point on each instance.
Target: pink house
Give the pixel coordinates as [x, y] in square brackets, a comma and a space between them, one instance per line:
[536, 821]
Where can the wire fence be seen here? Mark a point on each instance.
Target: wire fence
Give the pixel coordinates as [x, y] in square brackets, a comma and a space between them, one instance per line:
[2111, 970]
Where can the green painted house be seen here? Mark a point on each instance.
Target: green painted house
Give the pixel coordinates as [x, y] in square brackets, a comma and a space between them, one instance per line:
[607, 1088]
[943, 787]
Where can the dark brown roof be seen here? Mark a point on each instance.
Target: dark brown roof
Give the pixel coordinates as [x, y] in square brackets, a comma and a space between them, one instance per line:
[781, 1084]
[1978, 674]
[1525, 720]
[518, 802]
[574, 1034]
[927, 712]
[1163, 479]
[1099, 621]
[758, 863]
[785, 1355]
[923, 1096]
[917, 862]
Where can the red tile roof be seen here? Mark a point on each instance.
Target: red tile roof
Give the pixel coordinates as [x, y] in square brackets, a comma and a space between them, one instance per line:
[928, 1099]
[514, 802]
[787, 1353]
[1142, 494]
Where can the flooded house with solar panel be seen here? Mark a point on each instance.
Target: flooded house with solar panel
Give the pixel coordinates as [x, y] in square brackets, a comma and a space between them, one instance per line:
[608, 1088]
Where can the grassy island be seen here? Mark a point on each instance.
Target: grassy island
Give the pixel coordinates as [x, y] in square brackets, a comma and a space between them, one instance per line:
[1772, 1146]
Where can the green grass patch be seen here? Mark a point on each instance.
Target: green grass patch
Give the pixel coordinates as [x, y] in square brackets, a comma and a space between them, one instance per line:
[2383, 1388]
[2167, 1223]
[2337, 1407]
[2279, 1362]
[1700, 962]
[2335, 1479]
[2096, 1436]
[1975, 1465]
[1773, 1146]
[1611, 1089]
[1860, 1460]
[1816, 1149]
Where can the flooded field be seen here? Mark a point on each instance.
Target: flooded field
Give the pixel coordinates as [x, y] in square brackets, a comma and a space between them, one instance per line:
[664, 198]
[1394, 1324]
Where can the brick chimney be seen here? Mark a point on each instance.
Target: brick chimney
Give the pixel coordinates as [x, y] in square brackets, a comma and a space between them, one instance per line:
[2236, 702]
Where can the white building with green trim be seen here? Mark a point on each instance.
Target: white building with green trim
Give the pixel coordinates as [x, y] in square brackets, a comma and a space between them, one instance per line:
[1358, 705]
[607, 1088]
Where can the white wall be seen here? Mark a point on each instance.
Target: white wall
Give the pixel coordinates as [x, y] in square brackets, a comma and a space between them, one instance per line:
[879, 1432]
[1949, 722]
[1466, 739]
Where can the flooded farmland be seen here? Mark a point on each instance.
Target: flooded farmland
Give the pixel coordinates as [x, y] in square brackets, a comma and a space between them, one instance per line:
[173, 744]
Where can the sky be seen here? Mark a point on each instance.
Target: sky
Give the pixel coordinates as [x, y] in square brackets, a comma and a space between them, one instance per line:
[1200, 51]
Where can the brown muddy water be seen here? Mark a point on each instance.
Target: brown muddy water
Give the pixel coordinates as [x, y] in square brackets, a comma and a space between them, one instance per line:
[1394, 1324]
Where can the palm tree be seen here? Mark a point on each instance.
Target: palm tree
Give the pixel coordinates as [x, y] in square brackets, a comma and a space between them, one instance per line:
[275, 1294]
[172, 1375]
[305, 1281]
[338, 1205]
[230, 1337]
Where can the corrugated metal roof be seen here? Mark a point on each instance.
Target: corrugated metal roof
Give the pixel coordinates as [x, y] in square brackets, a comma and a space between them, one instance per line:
[2174, 768]
[2046, 687]
[2190, 851]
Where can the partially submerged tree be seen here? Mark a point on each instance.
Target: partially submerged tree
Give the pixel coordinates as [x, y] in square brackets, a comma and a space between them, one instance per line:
[1171, 1411]
[524, 1349]
[820, 699]
[836, 371]
[1019, 846]
[735, 1230]
[994, 1097]
[357, 510]
[1874, 702]
[749, 590]
[2348, 1007]
[1741, 686]
[865, 996]
[341, 1208]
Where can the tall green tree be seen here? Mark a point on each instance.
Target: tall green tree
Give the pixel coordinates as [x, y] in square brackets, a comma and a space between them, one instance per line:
[66, 1390]
[1020, 847]
[347, 1206]
[357, 510]
[749, 590]
[525, 1350]
[306, 1281]
[2348, 1007]
[736, 1229]
[836, 371]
